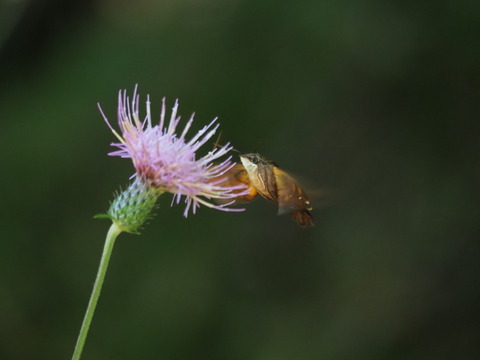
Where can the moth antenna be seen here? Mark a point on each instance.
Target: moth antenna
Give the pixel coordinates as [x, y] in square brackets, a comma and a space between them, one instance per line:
[217, 142]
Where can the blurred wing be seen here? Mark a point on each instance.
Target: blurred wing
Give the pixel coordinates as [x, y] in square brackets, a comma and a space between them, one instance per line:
[292, 199]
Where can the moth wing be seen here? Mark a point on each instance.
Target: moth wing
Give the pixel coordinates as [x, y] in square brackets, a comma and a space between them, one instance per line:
[265, 181]
[292, 199]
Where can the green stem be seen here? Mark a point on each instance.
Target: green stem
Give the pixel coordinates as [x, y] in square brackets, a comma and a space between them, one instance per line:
[113, 232]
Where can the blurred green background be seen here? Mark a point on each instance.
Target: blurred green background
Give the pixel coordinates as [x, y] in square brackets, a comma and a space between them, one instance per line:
[376, 101]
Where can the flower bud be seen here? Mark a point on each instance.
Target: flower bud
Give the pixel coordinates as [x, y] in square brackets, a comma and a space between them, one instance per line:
[131, 208]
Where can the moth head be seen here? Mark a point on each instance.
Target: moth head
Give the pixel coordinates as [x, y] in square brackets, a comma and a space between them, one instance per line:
[253, 161]
[250, 161]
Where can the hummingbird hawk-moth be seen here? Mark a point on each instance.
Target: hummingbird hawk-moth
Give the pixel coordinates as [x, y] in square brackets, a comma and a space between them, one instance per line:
[264, 177]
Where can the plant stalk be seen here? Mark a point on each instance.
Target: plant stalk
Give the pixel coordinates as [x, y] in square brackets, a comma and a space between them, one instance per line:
[113, 232]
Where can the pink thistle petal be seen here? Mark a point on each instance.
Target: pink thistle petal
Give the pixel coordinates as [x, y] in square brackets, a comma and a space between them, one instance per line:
[168, 162]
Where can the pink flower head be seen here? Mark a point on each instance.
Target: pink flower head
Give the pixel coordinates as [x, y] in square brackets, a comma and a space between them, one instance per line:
[167, 161]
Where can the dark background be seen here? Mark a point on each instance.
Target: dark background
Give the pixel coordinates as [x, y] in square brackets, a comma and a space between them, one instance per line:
[376, 101]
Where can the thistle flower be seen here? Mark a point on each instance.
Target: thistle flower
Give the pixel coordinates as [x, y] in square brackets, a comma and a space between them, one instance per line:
[167, 161]
[164, 162]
